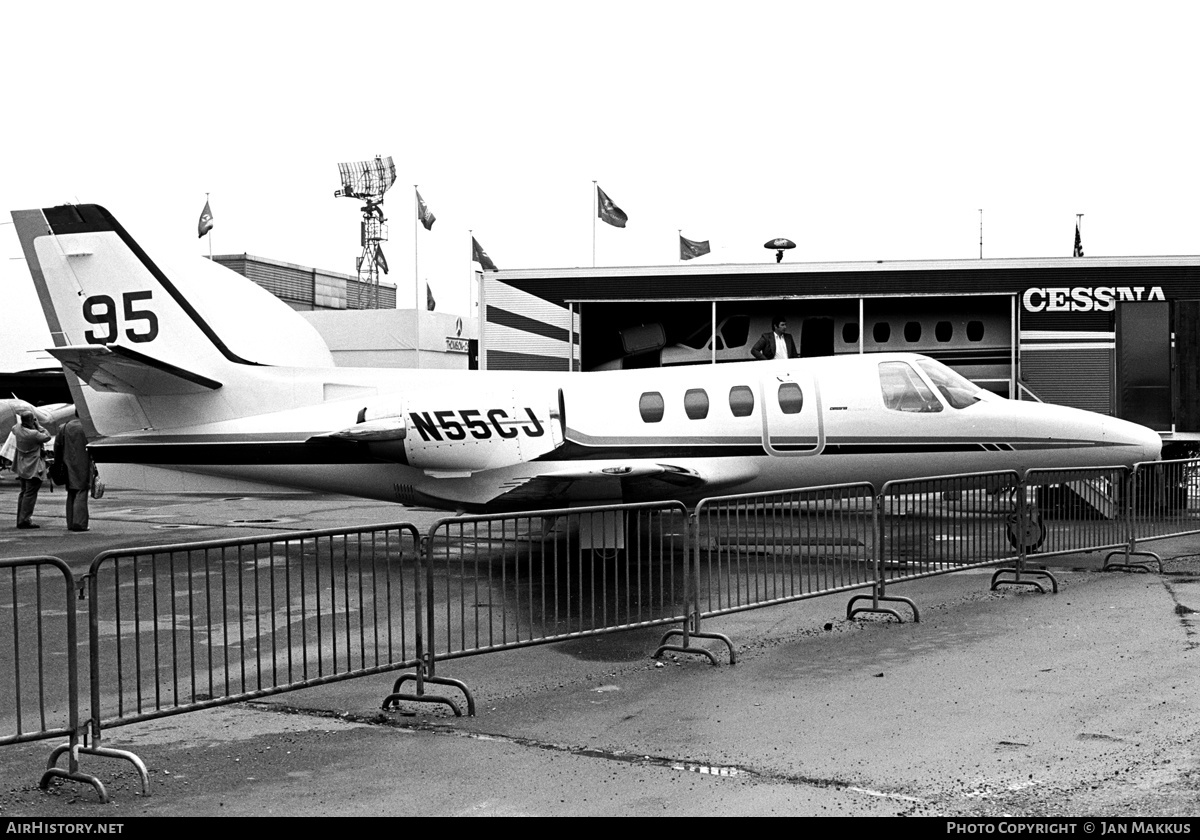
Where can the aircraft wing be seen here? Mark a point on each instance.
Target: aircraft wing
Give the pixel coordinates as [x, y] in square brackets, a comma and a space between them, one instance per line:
[620, 482]
[118, 369]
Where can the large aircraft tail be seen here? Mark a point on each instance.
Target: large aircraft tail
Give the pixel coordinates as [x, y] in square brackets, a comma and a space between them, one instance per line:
[132, 331]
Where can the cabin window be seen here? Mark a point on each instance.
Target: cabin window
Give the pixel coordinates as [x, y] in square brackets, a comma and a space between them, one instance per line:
[850, 333]
[881, 332]
[943, 331]
[741, 401]
[974, 330]
[651, 406]
[912, 331]
[904, 390]
[695, 403]
[791, 398]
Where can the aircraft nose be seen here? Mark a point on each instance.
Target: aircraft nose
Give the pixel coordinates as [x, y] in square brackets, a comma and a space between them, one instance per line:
[1147, 442]
[1151, 445]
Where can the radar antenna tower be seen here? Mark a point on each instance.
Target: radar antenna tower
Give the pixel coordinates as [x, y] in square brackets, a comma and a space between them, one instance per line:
[367, 181]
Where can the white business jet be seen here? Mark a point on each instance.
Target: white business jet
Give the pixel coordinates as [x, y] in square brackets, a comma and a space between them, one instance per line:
[199, 369]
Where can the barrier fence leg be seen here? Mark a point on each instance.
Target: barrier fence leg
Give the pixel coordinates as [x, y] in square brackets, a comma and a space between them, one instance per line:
[1133, 486]
[1026, 533]
[72, 771]
[424, 674]
[877, 596]
[423, 600]
[76, 745]
[690, 627]
[879, 586]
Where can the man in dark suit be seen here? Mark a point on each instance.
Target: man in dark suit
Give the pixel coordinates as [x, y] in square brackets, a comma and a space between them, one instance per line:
[776, 344]
[70, 449]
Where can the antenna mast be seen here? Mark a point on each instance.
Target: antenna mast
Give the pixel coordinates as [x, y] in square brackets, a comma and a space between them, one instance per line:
[368, 180]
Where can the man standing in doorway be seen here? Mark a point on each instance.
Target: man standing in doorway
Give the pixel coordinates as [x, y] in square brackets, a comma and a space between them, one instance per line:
[776, 344]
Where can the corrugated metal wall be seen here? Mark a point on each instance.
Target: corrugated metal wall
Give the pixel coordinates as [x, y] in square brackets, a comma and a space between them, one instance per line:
[1081, 378]
[308, 288]
[526, 332]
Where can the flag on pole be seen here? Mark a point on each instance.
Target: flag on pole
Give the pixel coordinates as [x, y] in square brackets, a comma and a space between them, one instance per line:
[427, 218]
[1078, 242]
[379, 258]
[430, 303]
[688, 249]
[206, 221]
[609, 212]
[480, 256]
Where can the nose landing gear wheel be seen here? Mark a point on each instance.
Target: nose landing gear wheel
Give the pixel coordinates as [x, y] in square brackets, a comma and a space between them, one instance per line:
[1029, 534]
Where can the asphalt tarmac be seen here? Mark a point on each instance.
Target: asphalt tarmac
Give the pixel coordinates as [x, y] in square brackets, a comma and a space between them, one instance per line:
[1010, 703]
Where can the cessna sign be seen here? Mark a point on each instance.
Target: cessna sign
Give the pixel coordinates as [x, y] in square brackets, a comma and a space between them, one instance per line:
[1086, 298]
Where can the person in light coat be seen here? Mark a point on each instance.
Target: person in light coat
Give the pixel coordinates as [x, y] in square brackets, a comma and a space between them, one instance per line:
[29, 465]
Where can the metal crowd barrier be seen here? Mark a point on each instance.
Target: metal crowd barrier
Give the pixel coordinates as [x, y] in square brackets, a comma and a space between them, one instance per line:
[768, 548]
[181, 627]
[504, 581]
[935, 525]
[1079, 510]
[190, 626]
[1163, 502]
[41, 698]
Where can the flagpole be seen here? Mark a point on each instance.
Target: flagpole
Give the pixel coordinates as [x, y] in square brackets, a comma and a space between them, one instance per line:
[595, 212]
[416, 276]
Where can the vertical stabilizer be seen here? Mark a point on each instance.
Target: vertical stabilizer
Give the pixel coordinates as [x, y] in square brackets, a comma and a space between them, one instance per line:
[118, 322]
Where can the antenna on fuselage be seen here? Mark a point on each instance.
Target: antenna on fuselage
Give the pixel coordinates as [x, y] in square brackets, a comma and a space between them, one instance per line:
[368, 180]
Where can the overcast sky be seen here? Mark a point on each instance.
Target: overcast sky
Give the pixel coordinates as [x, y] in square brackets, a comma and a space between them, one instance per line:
[860, 130]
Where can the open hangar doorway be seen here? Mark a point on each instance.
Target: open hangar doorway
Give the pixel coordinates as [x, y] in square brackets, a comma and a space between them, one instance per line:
[627, 334]
[972, 333]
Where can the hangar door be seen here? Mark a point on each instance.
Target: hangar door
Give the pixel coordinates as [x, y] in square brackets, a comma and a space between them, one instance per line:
[1187, 365]
[1144, 363]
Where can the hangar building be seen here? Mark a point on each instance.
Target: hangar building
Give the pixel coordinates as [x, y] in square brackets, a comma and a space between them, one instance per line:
[1115, 335]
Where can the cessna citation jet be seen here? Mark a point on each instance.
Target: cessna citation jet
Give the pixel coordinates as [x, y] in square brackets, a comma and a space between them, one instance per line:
[202, 370]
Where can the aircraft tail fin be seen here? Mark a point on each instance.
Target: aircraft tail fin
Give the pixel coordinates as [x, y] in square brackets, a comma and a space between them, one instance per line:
[119, 322]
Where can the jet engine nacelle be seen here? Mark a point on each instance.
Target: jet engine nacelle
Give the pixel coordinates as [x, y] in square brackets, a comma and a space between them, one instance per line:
[463, 433]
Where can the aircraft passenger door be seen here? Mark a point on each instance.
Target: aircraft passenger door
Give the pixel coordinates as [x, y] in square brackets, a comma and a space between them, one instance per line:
[791, 415]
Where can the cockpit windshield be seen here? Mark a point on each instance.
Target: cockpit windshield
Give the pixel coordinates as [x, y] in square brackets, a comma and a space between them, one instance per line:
[957, 390]
[904, 390]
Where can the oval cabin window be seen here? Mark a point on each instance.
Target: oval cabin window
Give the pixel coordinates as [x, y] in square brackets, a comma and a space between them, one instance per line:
[881, 332]
[741, 401]
[912, 331]
[695, 403]
[850, 333]
[943, 331]
[974, 330]
[652, 406]
[791, 398]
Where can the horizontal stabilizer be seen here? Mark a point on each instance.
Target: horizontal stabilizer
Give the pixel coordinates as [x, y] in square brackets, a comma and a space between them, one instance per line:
[118, 369]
